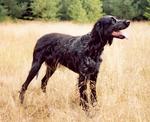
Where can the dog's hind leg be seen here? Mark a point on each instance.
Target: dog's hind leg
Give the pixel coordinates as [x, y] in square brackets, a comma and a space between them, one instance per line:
[36, 64]
[49, 73]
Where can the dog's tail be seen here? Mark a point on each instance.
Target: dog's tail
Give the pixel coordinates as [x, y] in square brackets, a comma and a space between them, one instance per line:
[37, 62]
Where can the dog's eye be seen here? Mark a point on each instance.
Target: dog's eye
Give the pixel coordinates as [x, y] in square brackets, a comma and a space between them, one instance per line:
[113, 20]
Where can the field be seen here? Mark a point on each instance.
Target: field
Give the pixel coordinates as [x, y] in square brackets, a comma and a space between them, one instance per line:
[123, 85]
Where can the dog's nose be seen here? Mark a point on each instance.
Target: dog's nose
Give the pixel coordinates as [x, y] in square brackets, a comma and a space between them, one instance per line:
[127, 22]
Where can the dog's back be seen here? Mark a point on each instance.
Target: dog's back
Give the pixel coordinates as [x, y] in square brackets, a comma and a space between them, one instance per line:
[52, 39]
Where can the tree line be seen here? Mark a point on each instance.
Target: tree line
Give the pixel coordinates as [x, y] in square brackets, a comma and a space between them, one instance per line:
[77, 10]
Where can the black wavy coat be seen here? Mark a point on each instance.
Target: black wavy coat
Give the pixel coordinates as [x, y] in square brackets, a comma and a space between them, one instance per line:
[81, 54]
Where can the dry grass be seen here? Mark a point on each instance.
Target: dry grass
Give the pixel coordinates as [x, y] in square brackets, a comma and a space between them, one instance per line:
[123, 84]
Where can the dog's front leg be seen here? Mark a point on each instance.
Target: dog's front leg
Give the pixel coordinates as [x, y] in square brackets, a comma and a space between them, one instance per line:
[93, 96]
[82, 90]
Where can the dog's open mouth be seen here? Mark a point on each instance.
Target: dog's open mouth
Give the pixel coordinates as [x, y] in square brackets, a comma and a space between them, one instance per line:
[118, 31]
[118, 34]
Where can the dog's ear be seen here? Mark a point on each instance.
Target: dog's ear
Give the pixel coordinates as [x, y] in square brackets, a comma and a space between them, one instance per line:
[97, 31]
[99, 27]
[110, 41]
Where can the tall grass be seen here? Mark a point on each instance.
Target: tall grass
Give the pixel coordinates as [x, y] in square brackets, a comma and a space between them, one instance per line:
[123, 84]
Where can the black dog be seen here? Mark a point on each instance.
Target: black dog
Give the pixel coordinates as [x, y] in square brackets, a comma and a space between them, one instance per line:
[81, 54]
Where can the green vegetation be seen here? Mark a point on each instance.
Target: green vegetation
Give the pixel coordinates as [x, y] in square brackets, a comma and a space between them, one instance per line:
[130, 9]
[46, 9]
[93, 9]
[3, 12]
[12, 8]
[71, 10]
[147, 12]
[77, 10]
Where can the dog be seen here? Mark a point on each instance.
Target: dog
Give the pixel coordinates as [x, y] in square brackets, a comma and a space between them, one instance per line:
[81, 54]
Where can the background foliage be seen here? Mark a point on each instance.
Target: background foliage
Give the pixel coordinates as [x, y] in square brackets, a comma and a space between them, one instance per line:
[147, 12]
[130, 9]
[78, 10]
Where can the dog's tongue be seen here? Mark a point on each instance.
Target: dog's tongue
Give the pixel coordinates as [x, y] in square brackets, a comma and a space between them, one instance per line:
[116, 33]
[119, 34]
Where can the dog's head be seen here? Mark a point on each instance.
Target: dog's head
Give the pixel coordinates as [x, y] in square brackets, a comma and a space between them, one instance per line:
[109, 27]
